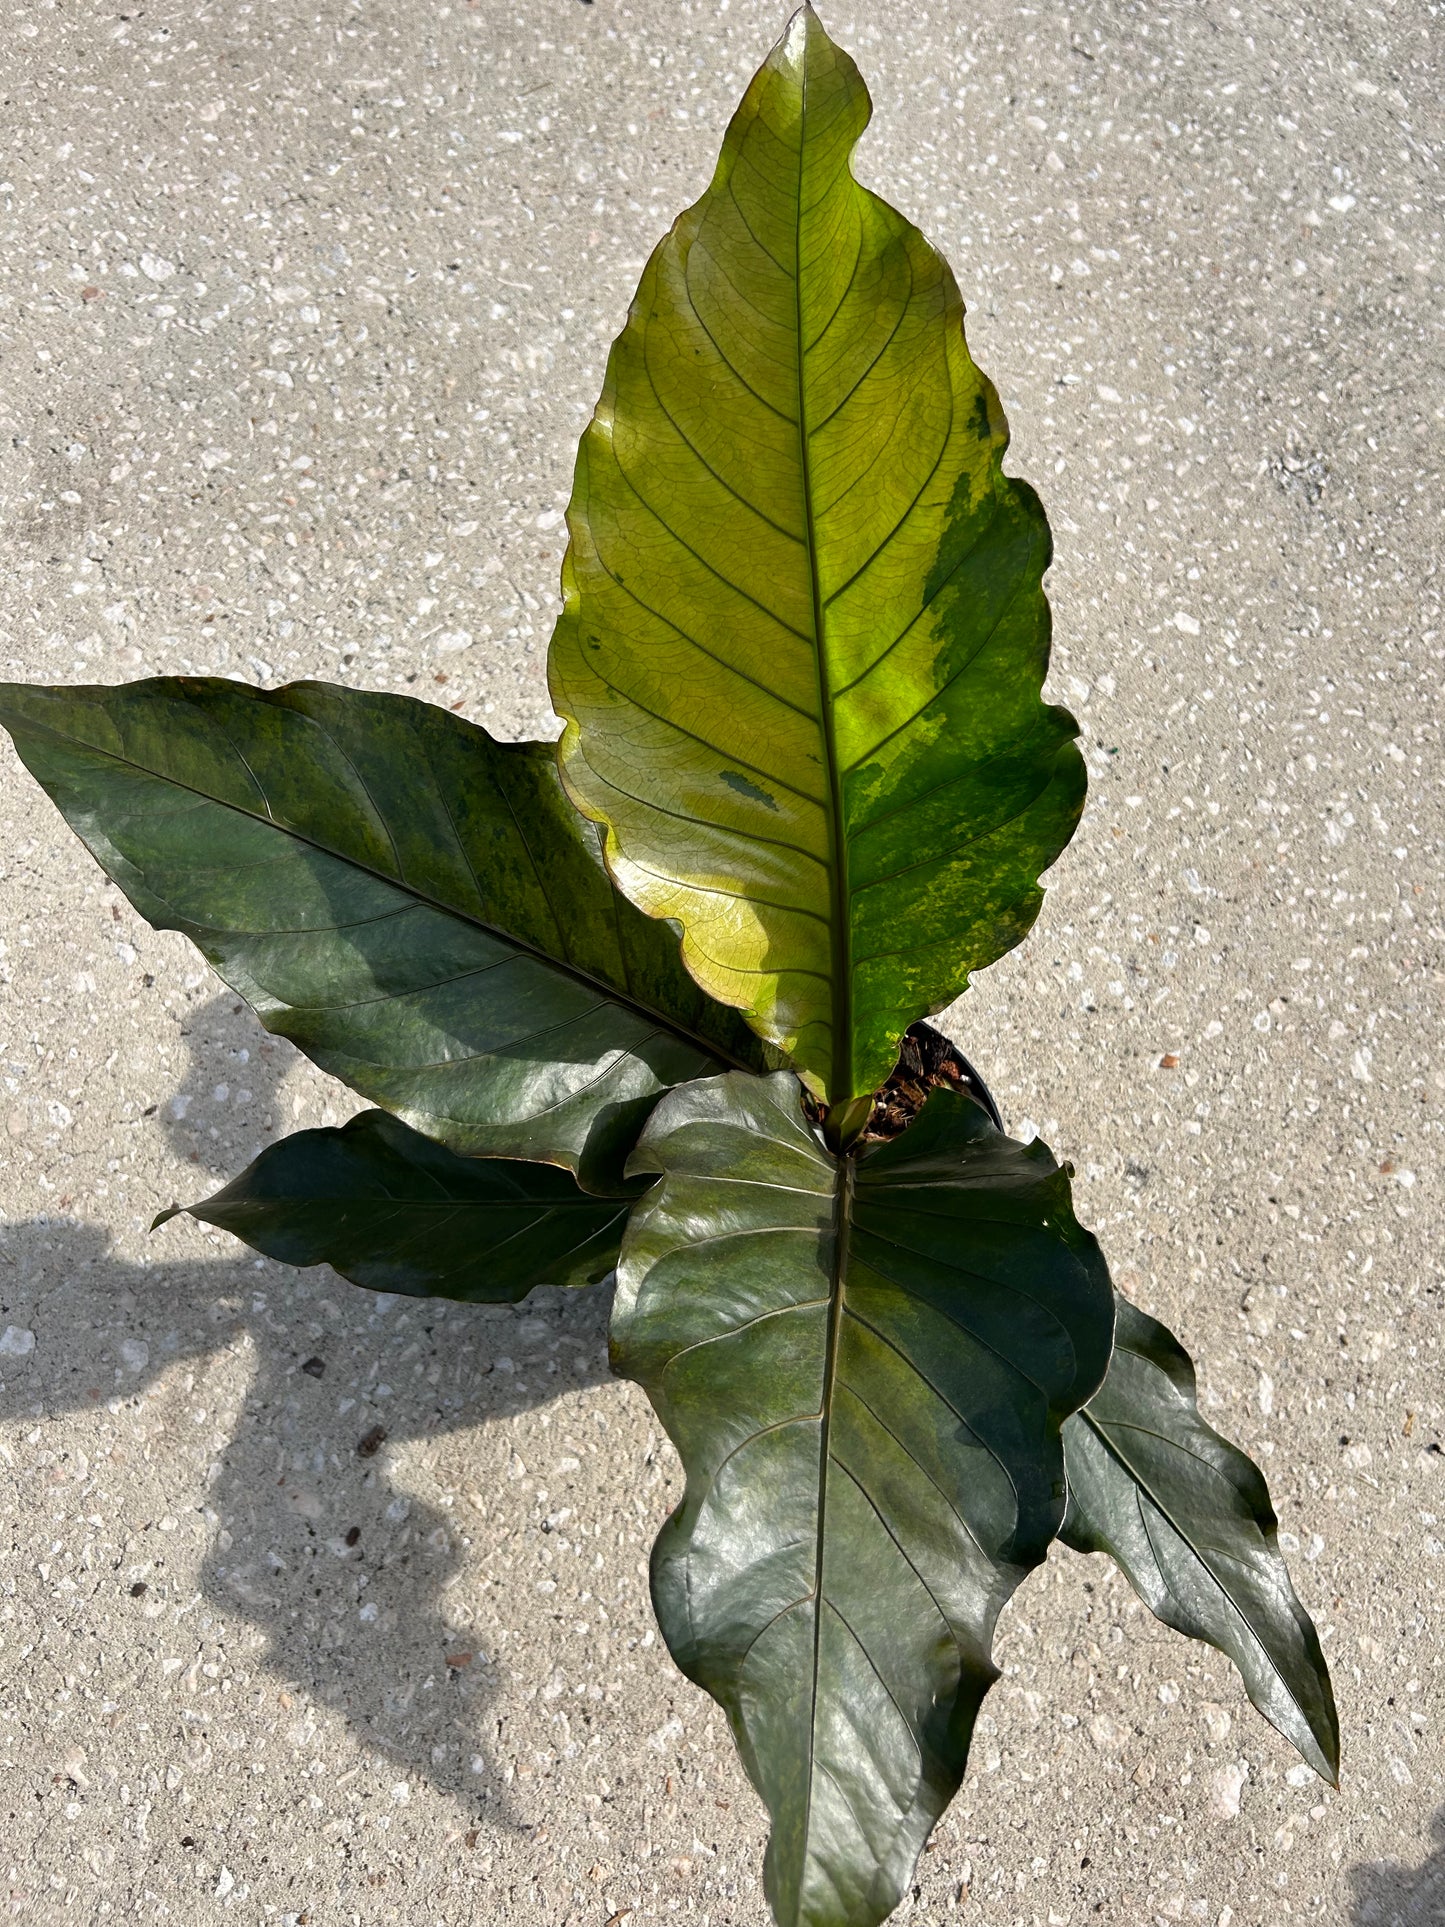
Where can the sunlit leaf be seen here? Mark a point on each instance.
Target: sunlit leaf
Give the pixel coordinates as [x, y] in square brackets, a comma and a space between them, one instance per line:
[412, 903]
[805, 631]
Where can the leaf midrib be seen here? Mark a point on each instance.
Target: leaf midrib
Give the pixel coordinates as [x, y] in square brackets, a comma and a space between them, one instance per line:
[839, 919]
[564, 967]
[842, 1227]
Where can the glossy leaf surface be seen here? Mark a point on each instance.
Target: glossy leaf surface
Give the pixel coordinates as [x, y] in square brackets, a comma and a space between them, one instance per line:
[412, 903]
[804, 629]
[394, 1211]
[864, 1364]
[1188, 1518]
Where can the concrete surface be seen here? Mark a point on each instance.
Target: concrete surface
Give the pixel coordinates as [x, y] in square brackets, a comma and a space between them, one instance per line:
[301, 310]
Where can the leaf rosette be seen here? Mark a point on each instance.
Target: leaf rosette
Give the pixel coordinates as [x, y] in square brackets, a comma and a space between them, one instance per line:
[628, 1002]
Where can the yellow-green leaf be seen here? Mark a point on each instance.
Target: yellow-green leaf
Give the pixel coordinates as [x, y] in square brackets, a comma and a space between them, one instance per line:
[805, 633]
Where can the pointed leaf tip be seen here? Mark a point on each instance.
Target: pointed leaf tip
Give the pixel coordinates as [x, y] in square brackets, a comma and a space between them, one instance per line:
[792, 45]
[804, 23]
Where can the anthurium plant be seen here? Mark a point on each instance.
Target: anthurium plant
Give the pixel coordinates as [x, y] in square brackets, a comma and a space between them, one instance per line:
[635, 1002]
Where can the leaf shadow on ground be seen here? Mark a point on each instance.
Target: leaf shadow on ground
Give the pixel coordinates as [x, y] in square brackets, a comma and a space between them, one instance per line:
[228, 1101]
[1387, 1894]
[277, 1476]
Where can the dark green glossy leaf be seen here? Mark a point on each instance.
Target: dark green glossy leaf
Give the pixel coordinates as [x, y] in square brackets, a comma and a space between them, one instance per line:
[805, 630]
[412, 903]
[390, 1209]
[1188, 1518]
[864, 1364]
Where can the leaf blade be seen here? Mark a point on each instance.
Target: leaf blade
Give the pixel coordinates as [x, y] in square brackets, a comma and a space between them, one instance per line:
[356, 866]
[394, 1211]
[872, 1451]
[804, 631]
[1187, 1517]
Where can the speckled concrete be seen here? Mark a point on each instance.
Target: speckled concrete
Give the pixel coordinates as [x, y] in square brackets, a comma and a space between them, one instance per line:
[301, 311]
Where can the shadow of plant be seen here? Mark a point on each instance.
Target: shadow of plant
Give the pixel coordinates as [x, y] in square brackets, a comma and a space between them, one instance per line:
[1387, 1894]
[309, 1538]
[229, 1102]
